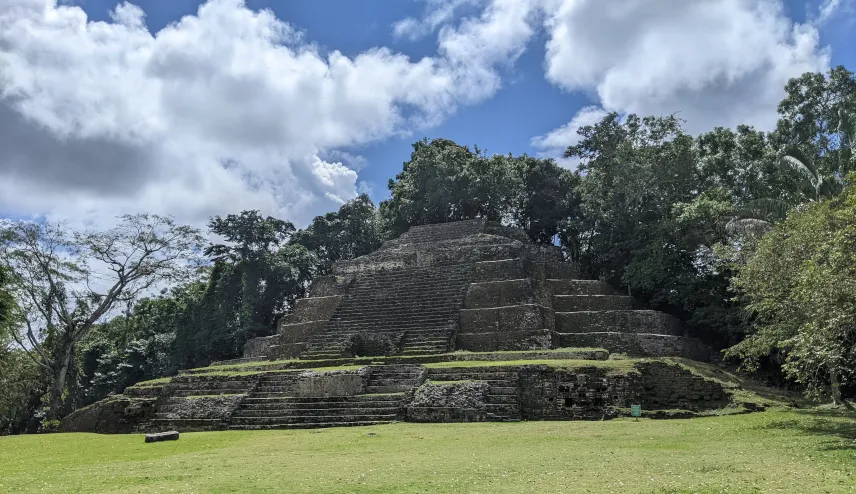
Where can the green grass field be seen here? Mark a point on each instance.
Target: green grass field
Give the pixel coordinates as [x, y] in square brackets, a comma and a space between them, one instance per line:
[776, 451]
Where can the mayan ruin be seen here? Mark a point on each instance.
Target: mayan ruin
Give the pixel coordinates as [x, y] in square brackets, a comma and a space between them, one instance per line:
[456, 322]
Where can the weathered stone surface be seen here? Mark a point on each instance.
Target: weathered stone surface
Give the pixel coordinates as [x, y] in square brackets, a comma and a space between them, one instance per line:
[114, 415]
[449, 402]
[548, 393]
[528, 317]
[162, 436]
[572, 303]
[504, 269]
[670, 386]
[499, 294]
[299, 332]
[580, 287]
[492, 341]
[618, 321]
[470, 285]
[259, 347]
[639, 344]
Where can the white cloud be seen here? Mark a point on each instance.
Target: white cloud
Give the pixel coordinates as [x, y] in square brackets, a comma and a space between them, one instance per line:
[437, 13]
[224, 110]
[713, 62]
[554, 143]
[827, 9]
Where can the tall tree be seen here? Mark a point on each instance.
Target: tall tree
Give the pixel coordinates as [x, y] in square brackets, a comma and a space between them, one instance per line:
[800, 289]
[67, 281]
[354, 230]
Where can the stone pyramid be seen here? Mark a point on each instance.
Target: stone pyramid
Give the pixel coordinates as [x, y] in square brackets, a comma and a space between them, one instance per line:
[469, 285]
[463, 321]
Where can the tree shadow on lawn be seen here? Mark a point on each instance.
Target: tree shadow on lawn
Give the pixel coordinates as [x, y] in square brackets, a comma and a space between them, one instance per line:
[829, 422]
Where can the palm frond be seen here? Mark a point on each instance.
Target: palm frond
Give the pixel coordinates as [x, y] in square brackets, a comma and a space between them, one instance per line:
[748, 226]
[803, 168]
[765, 208]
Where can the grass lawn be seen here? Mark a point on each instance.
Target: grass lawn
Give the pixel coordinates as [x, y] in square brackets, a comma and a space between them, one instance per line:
[776, 451]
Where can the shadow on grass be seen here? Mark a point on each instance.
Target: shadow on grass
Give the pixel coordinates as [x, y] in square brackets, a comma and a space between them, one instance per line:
[829, 422]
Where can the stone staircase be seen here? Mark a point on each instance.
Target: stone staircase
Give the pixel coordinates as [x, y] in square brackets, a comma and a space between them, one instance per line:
[290, 412]
[408, 311]
[503, 402]
[391, 378]
[272, 405]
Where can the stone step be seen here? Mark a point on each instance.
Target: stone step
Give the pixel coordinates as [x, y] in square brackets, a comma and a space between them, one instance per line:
[182, 425]
[503, 399]
[207, 392]
[618, 321]
[392, 382]
[399, 388]
[576, 303]
[312, 419]
[464, 374]
[326, 406]
[377, 397]
[580, 287]
[310, 425]
[306, 412]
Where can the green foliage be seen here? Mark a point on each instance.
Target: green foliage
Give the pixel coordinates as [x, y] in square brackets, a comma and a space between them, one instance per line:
[800, 287]
[22, 385]
[62, 296]
[444, 181]
[355, 230]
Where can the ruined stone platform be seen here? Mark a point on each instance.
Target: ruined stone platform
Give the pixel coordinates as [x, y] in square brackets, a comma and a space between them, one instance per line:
[464, 321]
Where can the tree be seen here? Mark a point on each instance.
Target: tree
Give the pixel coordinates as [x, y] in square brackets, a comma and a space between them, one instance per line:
[67, 281]
[354, 230]
[444, 181]
[799, 286]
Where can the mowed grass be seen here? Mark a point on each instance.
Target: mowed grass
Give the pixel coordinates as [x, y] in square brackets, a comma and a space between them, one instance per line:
[774, 451]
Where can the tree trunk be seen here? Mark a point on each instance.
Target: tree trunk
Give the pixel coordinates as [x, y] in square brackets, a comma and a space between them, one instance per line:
[58, 384]
[835, 388]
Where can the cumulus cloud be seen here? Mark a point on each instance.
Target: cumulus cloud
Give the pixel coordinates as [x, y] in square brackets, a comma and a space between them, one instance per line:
[223, 110]
[554, 143]
[437, 13]
[713, 62]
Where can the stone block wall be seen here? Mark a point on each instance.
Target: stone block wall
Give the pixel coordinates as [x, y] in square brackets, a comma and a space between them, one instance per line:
[548, 393]
[516, 327]
[670, 386]
[618, 321]
[638, 344]
[114, 415]
[464, 401]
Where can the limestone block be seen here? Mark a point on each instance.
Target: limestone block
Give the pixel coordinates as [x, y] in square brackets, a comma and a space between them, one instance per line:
[113, 415]
[325, 384]
[638, 344]
[505, 269]
[617, 321]
[299, 332]
[316, 308]
[572, 303]
[510, 318]
[287, 350]
[499, 294]
[323, 286]
[258, 347]
[505, 340]
[162, 436]
[580, 287]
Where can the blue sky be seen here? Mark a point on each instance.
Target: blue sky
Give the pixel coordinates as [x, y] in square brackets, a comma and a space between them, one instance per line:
[569, 62]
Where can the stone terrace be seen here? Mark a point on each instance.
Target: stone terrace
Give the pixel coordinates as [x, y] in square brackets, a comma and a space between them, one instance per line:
[465, 321]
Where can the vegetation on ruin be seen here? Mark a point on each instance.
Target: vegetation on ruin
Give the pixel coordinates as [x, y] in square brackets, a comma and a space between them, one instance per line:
[745, 236]
[774, 451]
